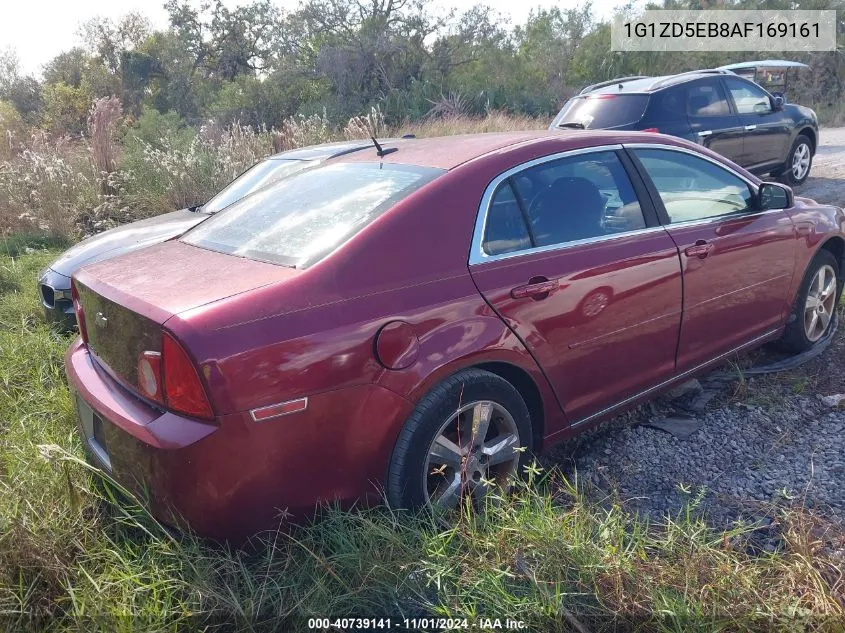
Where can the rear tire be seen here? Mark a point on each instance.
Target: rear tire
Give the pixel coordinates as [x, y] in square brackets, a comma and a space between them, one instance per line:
[445, 453]
[798, 163]
[816, 304]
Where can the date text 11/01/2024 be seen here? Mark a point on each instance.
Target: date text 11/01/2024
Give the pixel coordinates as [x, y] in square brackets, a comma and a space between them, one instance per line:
[415, 624]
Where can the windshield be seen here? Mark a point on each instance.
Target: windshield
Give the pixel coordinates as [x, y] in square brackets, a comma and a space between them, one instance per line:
[259, 175]
[304, 217]
[602, 111]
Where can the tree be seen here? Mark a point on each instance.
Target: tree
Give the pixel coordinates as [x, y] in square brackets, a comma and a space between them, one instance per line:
[65, 108]
[9, 69]
[107, 39]
[368, 50]
[226, 43]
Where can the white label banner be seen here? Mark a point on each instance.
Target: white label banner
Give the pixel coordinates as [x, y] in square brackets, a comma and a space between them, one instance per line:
[725, 30]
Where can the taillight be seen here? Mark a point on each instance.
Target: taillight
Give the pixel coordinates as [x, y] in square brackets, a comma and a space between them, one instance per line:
[170, 378]
[183, 389]
[77, 308]
[652, 129]
[149, 376]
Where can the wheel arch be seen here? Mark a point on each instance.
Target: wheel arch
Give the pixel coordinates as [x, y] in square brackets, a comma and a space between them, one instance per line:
[528, 389]
[810, 133]
[836, 246]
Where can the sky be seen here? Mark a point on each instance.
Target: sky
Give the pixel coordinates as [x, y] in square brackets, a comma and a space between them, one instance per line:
[40, 29]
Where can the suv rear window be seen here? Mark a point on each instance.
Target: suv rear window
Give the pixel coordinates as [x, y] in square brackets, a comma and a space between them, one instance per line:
[302, 218]
[602, 111]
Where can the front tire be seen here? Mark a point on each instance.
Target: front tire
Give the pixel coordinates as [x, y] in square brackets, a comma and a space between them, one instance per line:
[468, 437]
[799, 161]
[816, 303]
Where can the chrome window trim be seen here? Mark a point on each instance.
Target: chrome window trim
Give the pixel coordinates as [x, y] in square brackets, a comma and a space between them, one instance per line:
[567, 245]
[477, 253]
[721, 218]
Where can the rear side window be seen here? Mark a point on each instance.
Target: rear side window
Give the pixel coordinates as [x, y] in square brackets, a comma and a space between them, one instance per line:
[707, 99]
[602, 111]
[506, 230]
[566, 200]
[302, 218]
[668, 104]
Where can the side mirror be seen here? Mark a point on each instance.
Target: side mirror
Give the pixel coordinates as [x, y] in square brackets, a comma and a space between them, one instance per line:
[773, 195]
[777, 103]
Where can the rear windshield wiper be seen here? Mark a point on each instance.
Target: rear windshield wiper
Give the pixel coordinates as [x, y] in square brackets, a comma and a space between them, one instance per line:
[573, 124]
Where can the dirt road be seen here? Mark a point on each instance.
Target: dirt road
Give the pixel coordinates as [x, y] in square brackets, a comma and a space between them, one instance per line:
[827, 178]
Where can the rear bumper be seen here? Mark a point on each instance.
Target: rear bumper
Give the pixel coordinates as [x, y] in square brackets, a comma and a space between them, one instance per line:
[230, 478]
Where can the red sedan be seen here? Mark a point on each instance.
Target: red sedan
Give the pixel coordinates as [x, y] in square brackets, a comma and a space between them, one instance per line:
[412, 322]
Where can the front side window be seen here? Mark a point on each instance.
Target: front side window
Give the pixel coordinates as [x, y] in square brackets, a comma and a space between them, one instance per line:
[749, 99]
[706, 98]
[693, 188]
[562, 201]
[299, 219]
[259, 175]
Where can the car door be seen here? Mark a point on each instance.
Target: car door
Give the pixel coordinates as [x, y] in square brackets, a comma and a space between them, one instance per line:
[766, 129]
[712, 121]
[564, 254]
[737, 259]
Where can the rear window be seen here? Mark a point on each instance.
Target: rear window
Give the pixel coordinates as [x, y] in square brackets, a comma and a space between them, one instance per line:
[602, 111]
[259, 175]
[302, 218]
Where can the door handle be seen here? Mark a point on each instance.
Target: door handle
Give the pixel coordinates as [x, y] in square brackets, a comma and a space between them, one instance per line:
[750, 127]
[700, 249]
[537, 288]
[705, 132]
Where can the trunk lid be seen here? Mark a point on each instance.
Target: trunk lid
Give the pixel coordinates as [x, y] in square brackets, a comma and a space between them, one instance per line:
[126, 300]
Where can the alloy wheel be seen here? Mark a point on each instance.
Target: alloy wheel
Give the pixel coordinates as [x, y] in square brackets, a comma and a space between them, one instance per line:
[800, 161]
[821, 303]
[475, 451]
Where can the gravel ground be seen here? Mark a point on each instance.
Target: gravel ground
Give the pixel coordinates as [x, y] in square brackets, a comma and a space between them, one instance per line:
[827, 177]
[757, 442]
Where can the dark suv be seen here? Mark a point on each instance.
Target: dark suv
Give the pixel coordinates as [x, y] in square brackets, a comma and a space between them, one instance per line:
[716, 108]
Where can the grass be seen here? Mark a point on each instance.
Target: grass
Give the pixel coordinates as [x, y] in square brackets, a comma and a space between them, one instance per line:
[77, 556]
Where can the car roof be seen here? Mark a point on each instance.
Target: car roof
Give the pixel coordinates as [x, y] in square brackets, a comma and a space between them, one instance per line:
[449, 152]
[443, 152]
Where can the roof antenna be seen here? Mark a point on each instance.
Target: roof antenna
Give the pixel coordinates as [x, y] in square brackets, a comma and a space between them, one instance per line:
[380, 150]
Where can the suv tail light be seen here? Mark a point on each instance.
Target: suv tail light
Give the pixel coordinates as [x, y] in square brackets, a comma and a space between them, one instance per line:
[77, 308]
[652, 129]
[171, 378]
